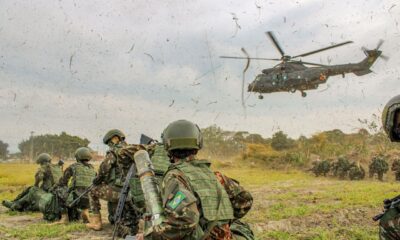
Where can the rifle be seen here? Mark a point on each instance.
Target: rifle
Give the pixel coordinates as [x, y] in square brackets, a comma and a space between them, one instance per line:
[387, 204]
[122, 199]
[80, 196]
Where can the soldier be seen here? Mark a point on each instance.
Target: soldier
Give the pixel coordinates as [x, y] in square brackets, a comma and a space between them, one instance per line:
[389, 224]
[321, 168]
[109, 181]
[356, 172]
[396, 168]
[77, 178]
[341, 167]
[47, 175]
[196, 205]
[379, 166]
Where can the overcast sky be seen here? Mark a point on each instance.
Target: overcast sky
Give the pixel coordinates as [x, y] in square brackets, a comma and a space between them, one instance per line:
[85, 67]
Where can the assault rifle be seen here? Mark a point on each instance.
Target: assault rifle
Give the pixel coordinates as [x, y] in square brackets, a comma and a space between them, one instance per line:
[122, 200]
[80, 196]
[144, 139]
[387, 204]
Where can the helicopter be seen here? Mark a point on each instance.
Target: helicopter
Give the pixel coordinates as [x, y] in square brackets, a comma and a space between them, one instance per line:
[292, 75]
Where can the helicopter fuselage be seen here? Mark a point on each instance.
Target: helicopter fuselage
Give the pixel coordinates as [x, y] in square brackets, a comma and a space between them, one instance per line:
[291, 77]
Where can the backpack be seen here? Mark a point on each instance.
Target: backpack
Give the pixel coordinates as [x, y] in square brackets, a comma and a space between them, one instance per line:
[241, 199]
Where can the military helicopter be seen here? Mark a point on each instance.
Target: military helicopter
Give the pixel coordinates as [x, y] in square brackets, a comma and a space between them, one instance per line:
[292, 75]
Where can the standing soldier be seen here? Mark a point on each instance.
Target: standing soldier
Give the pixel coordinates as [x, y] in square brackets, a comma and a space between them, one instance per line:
[196, 205]
[379, 166]
[47, 175]
[389, 224]
[341, 167]
[396, 168]
[109, 182]
[77, 178]
[356, 171]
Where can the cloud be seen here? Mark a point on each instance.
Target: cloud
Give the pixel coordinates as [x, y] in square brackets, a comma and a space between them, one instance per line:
[86, 67]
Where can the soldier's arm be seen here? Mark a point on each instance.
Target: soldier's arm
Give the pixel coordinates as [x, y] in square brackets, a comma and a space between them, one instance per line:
[105, 167]
[180, 209]
[39, 176]
[68, 173]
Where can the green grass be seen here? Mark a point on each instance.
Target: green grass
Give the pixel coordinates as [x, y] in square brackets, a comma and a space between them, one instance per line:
[42, 231]
[278, 196]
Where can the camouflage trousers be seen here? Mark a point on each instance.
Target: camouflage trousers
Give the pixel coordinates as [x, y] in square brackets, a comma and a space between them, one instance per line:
[105, 192]
[389, 225]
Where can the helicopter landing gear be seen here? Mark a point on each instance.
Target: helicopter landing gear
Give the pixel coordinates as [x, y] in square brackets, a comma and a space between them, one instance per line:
[303, 94]
[261, 97]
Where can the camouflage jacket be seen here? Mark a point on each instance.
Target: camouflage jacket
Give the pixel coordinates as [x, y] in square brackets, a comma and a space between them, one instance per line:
[184, 217]
[43, 177]
[117, 162]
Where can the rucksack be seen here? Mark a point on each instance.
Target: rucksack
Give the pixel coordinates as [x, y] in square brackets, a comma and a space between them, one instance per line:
[241, 199]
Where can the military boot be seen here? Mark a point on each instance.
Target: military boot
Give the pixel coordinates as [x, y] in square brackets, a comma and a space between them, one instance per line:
[7, 204]
[64, 219]
[85, 215]
[94, 222]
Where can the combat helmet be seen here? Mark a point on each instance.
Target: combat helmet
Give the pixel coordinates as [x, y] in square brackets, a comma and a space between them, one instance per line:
[83, 153]
[110, 134]
[43, 158]
[182, 134]
[389, 118]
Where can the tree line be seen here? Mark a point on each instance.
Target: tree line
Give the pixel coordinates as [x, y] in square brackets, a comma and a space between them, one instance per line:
[60, 145]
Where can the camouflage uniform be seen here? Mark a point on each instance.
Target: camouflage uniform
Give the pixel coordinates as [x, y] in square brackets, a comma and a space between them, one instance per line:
[396, 168]
[77, 178]
[321, 168]
[111, 176]
[45, 178]
[192, 181]
[356, 172]
[341, 167]
[197, 203]
[389, 224]
[378, 166]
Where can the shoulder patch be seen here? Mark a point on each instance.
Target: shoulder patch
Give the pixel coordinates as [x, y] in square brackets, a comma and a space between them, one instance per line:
[178, 198]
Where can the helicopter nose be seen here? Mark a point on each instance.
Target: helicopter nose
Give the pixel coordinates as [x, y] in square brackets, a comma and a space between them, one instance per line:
[251, 87]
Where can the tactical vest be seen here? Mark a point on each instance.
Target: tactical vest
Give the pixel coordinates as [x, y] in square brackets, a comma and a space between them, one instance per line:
[214, 201]
[160, 160]
[161, 163]
[83, 175]
[56, 172]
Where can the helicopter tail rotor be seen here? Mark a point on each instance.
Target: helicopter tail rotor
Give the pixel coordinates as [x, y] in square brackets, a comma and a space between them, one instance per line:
[375, 52]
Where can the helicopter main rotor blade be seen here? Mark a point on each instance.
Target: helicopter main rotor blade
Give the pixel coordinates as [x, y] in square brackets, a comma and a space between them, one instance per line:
[379, 44]
[310, 63]
[323, 49]
[272, 59]
[276, 43]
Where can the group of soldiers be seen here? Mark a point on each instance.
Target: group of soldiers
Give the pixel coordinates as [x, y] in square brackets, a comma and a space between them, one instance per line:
[343, 168]
[171, 193]
[340, 168]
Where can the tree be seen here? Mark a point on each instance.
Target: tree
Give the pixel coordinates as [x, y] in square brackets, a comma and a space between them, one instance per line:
[280, 141]
[3, 150]
[63, 145]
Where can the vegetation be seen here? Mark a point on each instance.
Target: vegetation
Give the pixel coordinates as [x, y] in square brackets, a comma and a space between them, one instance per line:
[63, 145]
[3, 150]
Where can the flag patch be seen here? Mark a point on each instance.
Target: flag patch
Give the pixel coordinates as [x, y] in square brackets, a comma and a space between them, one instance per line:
[179, 197]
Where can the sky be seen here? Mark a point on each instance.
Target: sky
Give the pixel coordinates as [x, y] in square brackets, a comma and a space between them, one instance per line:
[85, 67]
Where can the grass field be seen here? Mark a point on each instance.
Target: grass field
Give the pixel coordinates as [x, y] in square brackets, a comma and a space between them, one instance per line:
[287, 205]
